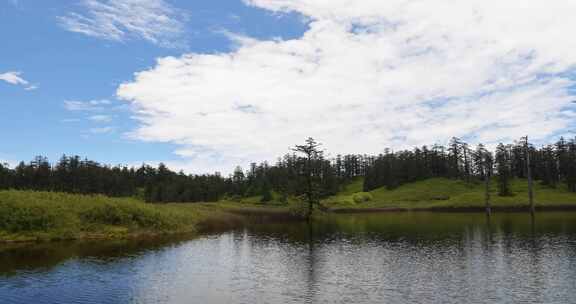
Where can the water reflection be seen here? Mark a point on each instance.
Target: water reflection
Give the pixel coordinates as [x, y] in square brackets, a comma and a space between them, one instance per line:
[369, 258]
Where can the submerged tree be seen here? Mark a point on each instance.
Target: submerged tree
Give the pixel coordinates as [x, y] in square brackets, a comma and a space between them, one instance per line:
[313, 157]
[529, 175]
[484, 161]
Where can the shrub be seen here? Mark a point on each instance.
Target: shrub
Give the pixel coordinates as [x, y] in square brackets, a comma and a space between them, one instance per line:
[298, 207]
[440, 197]
[362, 197]
[60, 215]
[127, 214]
[15, 217]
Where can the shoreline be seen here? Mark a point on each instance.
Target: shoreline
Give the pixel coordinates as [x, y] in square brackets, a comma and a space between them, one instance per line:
[471, 209]
[216, 222]
[232, 217]
[284, 214]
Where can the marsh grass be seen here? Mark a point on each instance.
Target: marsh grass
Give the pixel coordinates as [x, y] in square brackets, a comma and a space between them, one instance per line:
[29, 215]
[43, 216]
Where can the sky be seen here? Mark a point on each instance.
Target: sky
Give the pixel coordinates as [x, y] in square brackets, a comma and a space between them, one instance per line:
[205, 86]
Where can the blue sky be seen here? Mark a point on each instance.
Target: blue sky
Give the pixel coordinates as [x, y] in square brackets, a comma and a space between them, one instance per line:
[207, 85]
[68, 66]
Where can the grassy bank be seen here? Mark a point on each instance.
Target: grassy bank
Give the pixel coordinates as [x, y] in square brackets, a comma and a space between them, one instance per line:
[45, 216]
[439, 193]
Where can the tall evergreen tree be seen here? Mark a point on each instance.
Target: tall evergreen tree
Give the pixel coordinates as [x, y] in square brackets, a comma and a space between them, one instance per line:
[313, 156]
[503, 169]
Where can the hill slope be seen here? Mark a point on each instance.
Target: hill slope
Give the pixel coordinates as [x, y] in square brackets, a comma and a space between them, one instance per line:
[446, 193]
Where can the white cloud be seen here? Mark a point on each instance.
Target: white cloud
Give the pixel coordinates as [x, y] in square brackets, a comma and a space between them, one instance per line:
[100, 118]
[91, 105]
[15, 78]
[119, 20]
[98, 110]
[70, 120]
[7, 162]
[103, 130]
[367, 75]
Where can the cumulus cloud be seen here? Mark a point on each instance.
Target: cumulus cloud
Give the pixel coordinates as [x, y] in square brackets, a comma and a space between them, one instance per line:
[15, 78]
[367, 75]
[155, 21]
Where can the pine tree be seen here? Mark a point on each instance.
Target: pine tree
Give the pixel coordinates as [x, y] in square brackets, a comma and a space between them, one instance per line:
[503, 168]
[266, 193]
[312, 157]
[454, 150]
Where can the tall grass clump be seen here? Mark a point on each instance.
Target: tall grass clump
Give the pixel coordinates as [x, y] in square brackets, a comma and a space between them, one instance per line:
[362, 197]
[59, 215]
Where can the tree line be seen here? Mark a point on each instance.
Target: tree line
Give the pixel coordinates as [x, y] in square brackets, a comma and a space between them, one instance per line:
[302, 173]
[74, 174]
[552, 165]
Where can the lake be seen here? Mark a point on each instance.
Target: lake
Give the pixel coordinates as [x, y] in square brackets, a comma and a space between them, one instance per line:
[366, 258]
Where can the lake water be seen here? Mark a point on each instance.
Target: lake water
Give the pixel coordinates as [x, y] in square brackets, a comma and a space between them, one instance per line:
[374, 258]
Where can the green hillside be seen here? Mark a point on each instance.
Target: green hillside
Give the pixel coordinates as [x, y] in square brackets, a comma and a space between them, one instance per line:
[440, 192]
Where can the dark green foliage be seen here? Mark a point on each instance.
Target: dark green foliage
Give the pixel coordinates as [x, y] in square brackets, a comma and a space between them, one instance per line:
[266, 193]
[74, 175]
[552, 166]
[503, 169]
[130, 215]
[392, 170]
[13, 218]
[312, 169]
[6, 177]
[286, 176]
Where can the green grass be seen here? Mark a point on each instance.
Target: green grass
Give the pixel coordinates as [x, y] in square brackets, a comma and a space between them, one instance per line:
[345, 198]
[38, 216]
[30, 216]
[355, 186]
[446, 193]
[256, 201]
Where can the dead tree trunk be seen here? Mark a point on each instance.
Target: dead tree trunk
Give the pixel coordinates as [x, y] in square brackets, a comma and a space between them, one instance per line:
[487, 175]
[487, 194]
[310, 190]
[529, 175]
